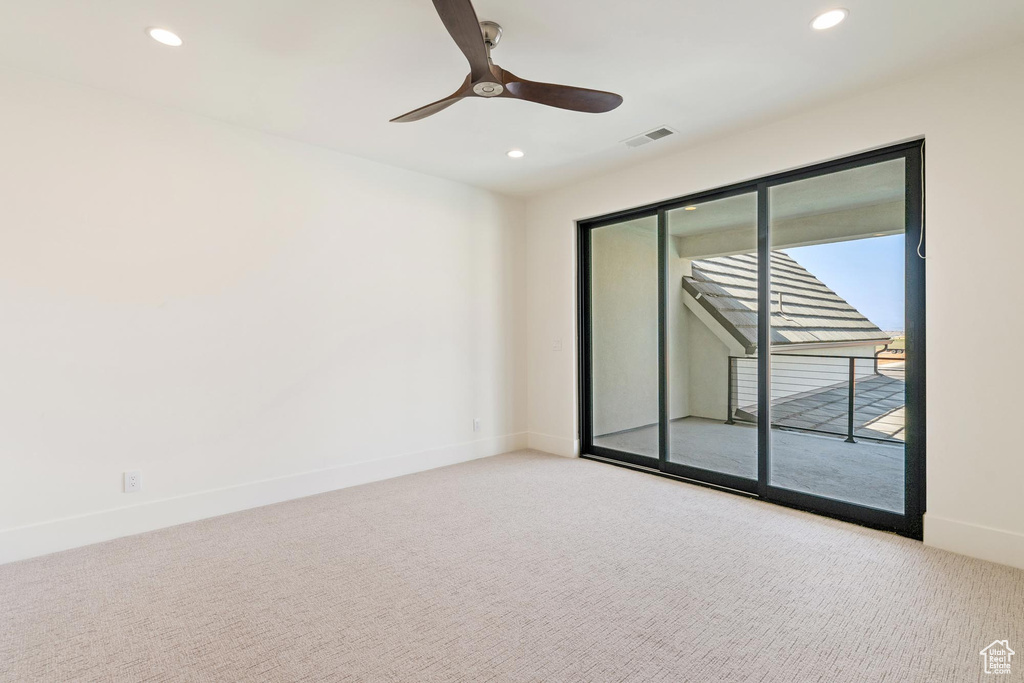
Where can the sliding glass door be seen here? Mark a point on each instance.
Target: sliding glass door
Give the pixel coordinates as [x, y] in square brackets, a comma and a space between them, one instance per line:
[838, 372]
[624, 339]
[767, 338]
[711, 266]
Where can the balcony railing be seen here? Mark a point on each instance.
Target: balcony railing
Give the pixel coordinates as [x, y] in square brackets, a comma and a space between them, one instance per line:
[855, 397]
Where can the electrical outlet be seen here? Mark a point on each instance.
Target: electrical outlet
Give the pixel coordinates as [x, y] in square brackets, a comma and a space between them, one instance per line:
[132, 482]
[476, 424]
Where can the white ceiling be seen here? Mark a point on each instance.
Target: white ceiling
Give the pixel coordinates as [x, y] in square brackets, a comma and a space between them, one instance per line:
[332, 72]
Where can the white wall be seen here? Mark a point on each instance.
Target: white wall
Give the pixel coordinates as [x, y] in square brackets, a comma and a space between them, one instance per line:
[708, 358]
[970, 114]
[679, 321]
[242, 318]
[624, 301]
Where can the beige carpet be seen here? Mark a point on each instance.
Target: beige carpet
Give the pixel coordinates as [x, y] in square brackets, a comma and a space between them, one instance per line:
[522, 567]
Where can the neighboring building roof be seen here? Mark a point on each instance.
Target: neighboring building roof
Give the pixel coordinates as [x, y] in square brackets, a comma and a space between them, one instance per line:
[810, 312]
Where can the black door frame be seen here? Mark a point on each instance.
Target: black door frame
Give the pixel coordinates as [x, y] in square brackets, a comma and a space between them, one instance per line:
[909, 524]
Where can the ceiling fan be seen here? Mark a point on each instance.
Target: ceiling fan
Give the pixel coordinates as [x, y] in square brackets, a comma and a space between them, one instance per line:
[476, 39]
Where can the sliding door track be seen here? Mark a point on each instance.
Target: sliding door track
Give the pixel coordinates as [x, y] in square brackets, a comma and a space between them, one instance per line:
[666, 475]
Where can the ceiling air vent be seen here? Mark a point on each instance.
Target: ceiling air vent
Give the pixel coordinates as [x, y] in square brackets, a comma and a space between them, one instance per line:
[650, 136]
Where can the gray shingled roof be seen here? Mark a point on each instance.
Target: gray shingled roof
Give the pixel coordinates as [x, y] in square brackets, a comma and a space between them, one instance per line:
[810, 312]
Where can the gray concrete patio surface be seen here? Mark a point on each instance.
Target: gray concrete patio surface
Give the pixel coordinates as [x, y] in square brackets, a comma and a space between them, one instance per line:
[865, 473]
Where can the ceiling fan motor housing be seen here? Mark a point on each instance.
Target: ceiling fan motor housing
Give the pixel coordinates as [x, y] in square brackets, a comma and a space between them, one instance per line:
[491, 33]
[488, 89]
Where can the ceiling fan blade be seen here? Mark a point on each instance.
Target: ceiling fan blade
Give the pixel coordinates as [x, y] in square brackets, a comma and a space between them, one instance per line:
[561, 96]
[429, 110]
[459, 18]
[434, 107]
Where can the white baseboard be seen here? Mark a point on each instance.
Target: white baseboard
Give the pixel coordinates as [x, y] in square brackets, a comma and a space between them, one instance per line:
[71, 532]
[986, 543]
[556, 445]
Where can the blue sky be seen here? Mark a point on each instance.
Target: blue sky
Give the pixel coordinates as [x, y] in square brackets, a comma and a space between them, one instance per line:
[868, 273]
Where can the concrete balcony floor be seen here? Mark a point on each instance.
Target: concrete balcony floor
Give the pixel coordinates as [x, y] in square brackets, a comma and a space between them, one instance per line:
[865, 473]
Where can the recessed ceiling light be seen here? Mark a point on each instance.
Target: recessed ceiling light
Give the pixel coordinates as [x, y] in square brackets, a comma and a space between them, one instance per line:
[690, 208]
[162, 35]
[828, 19]
[515, 154]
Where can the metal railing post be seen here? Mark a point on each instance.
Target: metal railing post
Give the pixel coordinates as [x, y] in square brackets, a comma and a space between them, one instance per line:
[853, 389]
[728, 394]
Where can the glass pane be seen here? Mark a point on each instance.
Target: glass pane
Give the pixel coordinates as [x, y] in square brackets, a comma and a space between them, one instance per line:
[624, 336]
[712, 335]
[837, 297]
